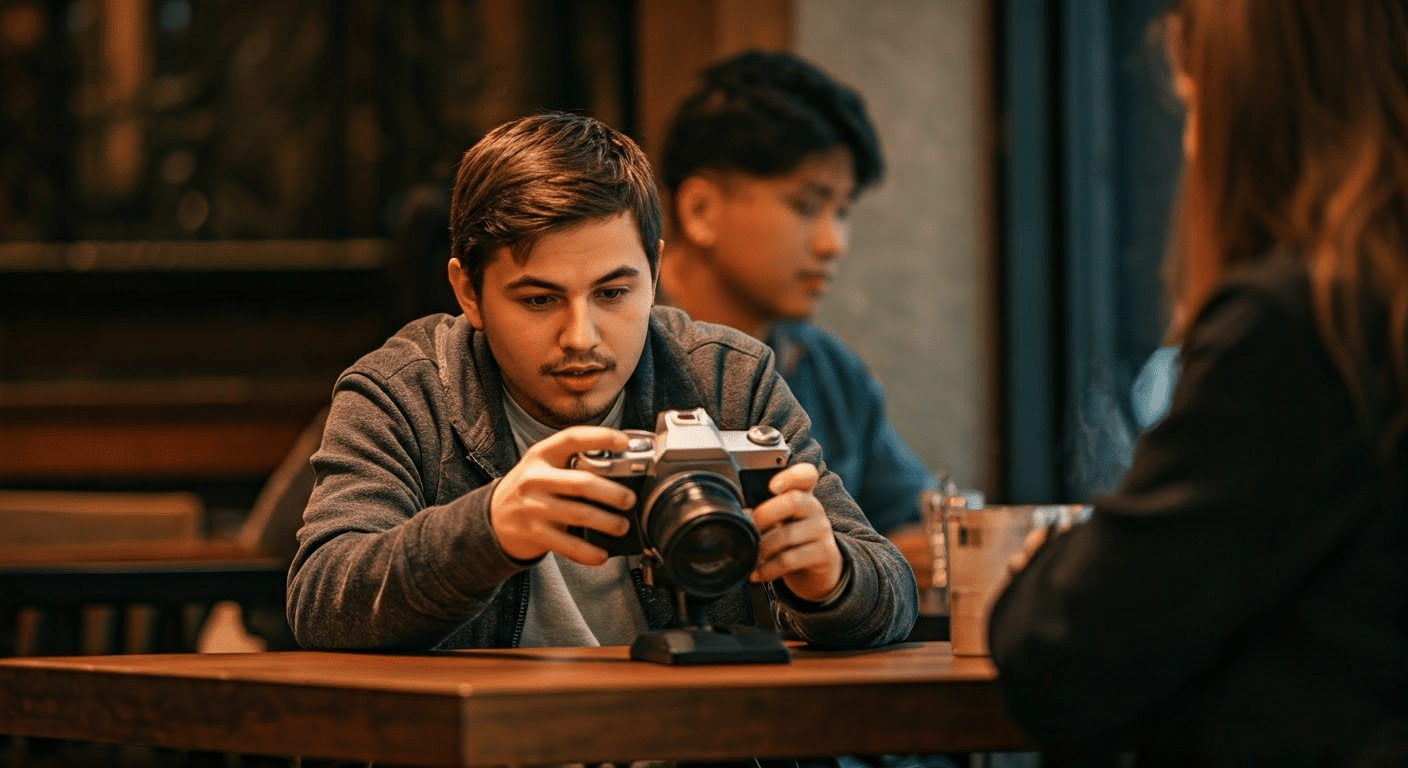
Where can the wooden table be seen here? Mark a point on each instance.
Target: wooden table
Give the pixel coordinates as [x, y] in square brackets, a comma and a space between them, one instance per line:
[513, 707]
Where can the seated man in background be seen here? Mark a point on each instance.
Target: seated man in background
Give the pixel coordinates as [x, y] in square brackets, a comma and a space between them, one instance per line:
[761, 164]
[445, 493]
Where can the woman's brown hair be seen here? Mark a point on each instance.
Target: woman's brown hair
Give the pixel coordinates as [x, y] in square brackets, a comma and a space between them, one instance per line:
[1299, 114]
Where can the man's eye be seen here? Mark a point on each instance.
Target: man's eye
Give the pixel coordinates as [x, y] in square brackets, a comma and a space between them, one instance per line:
[536, 302]
[805, 207]
[614, 294]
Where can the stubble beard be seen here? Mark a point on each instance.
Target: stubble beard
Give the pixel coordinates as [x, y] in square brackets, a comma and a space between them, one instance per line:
[579, 413]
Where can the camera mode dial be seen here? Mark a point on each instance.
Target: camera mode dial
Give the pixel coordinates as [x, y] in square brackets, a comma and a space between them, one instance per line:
[763, 434]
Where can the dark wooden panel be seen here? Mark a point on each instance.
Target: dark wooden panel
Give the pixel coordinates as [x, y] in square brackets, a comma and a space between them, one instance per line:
[728, 723]
[194, 576]
[214, 449]
[675, 40]
[42, 518]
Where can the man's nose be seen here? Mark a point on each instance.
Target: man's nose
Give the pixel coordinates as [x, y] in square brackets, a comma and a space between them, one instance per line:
[830, 237]
[579, 331]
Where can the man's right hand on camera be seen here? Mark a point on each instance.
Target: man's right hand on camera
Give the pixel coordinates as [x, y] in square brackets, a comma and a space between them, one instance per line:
[538, 499]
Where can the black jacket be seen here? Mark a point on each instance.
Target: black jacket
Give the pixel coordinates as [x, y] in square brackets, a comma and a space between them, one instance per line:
[1243, 597]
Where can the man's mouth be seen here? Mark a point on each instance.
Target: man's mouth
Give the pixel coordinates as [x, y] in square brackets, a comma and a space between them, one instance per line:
[579, 378]
[818, 279]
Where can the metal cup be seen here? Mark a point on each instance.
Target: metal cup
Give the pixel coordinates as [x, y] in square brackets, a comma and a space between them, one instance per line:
[980, 541]
[935, 504]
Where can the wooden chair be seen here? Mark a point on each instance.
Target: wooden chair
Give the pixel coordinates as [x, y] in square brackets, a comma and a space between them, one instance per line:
[60, 526]
[271, 528]
[273, 523]
[33, 523]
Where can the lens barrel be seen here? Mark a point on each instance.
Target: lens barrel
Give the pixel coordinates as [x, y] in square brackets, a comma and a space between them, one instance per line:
[708, 545]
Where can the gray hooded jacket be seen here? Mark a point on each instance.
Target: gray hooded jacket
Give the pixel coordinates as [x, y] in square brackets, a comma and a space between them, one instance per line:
[397, 552]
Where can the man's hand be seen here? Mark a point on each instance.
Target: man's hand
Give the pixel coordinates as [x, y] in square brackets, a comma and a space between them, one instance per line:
[540, 497]
[797, 544]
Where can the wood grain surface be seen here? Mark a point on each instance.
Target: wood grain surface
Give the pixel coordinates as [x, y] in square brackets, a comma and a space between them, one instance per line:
[514, 706]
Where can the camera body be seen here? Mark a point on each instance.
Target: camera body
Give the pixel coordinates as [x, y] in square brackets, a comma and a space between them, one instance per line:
[693, 483]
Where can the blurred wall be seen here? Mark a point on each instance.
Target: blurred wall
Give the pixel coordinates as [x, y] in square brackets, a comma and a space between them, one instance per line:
[911, 295]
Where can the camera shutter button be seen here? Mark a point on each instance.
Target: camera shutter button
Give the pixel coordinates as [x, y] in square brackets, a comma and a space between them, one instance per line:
[596, 453]
[640, 444]
[764, 435]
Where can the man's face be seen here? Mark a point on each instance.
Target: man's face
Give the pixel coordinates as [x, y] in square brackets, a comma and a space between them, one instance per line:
[776, 240]
[568, 326]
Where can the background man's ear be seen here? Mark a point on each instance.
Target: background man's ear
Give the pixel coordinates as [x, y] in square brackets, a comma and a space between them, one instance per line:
[697, 201]
[655, 271]
[464, 294]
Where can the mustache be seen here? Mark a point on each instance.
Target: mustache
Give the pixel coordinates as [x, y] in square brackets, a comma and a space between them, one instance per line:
[585, 358]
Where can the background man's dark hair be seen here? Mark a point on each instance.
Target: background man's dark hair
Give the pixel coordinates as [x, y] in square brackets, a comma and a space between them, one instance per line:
[545, 173]
[764, 113]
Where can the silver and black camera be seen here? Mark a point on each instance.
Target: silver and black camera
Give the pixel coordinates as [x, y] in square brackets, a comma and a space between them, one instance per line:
[693, 484]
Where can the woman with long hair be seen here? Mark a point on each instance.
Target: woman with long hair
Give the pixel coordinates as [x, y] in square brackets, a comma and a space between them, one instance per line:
[1243, 596]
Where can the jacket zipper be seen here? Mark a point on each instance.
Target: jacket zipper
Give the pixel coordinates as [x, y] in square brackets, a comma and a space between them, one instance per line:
[522, 612]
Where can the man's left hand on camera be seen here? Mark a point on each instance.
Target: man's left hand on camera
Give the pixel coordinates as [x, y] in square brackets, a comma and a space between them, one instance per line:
[798, 545]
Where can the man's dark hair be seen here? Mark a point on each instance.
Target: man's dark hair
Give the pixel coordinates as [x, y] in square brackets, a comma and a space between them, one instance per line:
[764, 113]
[542, 174]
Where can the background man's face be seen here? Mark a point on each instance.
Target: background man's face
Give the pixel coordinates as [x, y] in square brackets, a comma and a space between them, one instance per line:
[777, 239]
[568, 327]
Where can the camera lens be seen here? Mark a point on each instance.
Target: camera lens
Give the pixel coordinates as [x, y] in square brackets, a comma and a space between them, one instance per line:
[708, 544]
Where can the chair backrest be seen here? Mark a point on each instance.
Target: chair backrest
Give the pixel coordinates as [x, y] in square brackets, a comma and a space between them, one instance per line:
[273, 523]
[277, 514]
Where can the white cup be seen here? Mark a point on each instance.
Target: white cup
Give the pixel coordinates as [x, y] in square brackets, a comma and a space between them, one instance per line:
[980, 542]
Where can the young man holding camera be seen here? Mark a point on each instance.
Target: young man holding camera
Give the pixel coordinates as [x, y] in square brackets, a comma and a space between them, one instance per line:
[446, 486]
